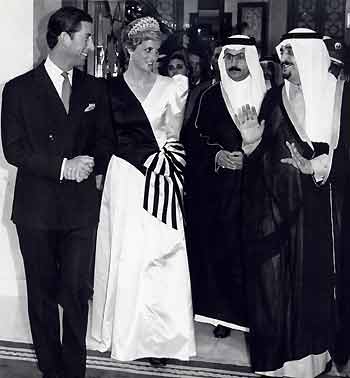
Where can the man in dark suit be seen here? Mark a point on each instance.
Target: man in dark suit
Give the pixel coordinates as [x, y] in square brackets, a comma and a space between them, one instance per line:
[56, 130]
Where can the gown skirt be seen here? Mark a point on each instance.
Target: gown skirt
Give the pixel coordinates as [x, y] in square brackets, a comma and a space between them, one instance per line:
[142, 304]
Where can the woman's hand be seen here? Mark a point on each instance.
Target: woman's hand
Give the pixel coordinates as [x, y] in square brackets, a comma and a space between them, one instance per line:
[247, 123]
[298, 161]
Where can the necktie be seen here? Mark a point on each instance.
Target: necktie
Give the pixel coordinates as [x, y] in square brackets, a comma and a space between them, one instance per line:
[66, 91]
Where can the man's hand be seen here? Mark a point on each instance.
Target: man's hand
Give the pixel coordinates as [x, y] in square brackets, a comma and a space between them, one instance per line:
[247, 123]
[230, 160]
[297, 161]
[78, 168]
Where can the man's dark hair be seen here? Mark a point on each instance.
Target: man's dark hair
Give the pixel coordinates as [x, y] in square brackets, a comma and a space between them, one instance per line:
[203, 62]
[179, 56]
[66, 19]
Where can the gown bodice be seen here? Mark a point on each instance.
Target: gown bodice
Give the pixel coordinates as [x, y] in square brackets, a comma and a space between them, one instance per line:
[143, 128]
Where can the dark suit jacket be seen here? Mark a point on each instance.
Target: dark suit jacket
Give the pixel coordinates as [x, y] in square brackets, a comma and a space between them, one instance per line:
[37, 134]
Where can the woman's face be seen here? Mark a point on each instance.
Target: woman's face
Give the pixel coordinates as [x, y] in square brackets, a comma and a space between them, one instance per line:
[176, 66]
[145, 55]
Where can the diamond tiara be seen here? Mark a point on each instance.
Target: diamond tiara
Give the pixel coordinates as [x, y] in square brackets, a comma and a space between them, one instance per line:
[144, 24]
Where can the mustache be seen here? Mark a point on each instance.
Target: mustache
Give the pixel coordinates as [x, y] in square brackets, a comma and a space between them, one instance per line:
[233, 68]
[286, 64]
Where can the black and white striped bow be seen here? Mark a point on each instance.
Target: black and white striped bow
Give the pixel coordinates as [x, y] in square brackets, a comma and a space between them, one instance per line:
[164, 184]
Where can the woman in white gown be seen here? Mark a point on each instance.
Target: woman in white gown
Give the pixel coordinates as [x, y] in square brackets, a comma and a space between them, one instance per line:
[142, 304]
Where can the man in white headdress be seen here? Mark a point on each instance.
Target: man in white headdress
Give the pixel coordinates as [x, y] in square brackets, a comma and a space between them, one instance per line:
[292, 174]
[215, 241]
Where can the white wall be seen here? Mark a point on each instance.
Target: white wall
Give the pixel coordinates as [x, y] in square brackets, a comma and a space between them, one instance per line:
[17, 57]
[16, 35]
[21, 34]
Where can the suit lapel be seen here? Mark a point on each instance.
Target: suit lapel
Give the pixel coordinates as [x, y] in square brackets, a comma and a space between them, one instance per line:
[78, 98]
[47, 94]
[62, 124]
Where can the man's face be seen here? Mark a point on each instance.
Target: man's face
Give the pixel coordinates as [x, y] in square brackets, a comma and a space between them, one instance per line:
[78, 44]
[236, 64]
[176, 66]
[289, 65]
[215, 57]
[194, 61]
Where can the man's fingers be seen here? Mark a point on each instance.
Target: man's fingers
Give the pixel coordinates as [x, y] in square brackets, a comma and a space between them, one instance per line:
[85, 168]
[290, 161]
[86, 157]
[70, 173]
[245, 113]
[84, 172]
[237, 121]
[73, 174]
[85, 160]
[236, 154]
[292, 152]
[241, 116]
[79, 168]
[81, 175]
[254, 113]
[289, 145]
[250, 114]
[230, 161]
[235, 159]
[296, 152]
[296, 156]
[234, 166]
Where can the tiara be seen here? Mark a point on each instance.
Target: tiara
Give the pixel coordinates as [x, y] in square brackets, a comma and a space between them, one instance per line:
[144, 24]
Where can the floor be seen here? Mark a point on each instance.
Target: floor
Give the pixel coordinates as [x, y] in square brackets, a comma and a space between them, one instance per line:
[231, 350]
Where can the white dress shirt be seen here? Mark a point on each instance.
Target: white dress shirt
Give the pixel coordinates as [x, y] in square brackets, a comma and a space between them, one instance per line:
[55, 74]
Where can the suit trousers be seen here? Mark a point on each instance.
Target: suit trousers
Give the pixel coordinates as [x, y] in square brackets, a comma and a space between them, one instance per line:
[57, 266]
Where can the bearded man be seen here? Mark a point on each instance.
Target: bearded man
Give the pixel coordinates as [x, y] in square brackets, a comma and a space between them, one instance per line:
[293, 171]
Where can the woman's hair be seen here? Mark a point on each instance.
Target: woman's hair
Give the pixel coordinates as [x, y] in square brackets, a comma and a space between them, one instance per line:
[140, 30]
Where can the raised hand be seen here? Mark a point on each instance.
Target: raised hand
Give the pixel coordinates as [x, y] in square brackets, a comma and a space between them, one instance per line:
[247, 123]
[298, 161]
[78, 168]
[230, 160]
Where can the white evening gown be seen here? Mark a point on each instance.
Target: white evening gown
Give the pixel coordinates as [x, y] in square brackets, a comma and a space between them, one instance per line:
[142, 304]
